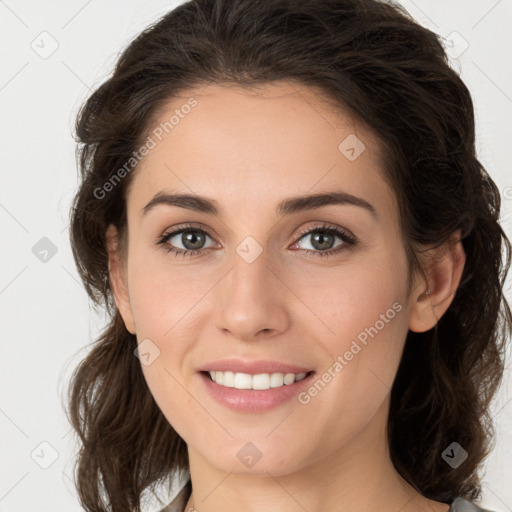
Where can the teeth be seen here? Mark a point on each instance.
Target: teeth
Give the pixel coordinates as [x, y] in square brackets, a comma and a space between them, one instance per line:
[260, 381]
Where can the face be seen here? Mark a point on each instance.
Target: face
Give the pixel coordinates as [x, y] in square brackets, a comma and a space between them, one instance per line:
[314, 287]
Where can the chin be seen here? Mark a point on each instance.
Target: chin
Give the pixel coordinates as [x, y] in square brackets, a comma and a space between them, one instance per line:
[257, 459]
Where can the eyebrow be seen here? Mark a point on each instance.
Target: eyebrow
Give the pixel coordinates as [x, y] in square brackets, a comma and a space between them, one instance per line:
[285, 207]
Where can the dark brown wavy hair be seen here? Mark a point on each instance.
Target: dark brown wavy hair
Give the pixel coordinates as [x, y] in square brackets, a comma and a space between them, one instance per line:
[373, 60]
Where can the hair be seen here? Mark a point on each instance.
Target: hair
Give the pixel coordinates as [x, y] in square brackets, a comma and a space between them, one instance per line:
[373, 60]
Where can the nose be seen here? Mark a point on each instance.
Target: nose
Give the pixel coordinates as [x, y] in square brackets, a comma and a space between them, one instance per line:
[252, 300]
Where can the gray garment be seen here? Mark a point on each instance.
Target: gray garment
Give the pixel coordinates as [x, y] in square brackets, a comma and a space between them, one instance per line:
[461, 505]
[179, 502]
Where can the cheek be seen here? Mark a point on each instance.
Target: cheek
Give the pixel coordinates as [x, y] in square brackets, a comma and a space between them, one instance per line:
[164, 297]
[163, 309]
[166, 304]
[348, 299]
[362, 312]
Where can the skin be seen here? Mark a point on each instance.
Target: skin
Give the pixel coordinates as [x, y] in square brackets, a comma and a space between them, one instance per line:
[248, 150]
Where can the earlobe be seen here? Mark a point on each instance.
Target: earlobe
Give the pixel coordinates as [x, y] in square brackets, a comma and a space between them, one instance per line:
[117, 276]
[431, 301]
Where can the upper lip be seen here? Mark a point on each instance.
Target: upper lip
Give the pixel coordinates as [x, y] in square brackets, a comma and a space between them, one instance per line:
[252, 367]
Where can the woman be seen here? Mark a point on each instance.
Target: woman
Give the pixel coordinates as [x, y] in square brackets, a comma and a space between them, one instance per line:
[282, 210]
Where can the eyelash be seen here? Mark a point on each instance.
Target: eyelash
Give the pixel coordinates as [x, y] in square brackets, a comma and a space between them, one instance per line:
[349, 240]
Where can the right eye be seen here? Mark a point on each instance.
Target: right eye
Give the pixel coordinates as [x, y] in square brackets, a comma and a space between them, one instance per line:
[191, 238]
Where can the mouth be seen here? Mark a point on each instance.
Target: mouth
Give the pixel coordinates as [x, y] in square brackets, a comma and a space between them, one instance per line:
[254, 393]
[250, 385]
[257, 382]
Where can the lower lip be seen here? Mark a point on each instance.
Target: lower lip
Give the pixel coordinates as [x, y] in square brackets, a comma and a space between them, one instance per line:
[252, 400]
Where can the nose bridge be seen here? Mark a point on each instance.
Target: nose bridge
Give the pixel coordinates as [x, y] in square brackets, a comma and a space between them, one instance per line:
[252, 297]
[250, 273]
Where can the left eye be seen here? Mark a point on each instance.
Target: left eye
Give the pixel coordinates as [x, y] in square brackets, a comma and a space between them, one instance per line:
[322, 239]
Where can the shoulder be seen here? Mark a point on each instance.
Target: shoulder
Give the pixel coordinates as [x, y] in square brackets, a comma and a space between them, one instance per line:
[180, 500]
[462, 505]
[178, 503]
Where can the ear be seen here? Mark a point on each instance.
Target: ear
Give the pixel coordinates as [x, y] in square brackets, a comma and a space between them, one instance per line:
[118, 280]
[431, 299]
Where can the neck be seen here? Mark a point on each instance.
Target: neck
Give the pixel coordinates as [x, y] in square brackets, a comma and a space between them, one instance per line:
[357, 477]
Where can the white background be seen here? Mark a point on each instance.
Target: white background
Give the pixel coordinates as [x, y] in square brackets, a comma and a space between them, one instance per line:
[46, 321]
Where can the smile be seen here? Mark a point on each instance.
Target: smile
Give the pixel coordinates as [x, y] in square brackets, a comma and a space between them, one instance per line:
[253, 393]
[260, 381]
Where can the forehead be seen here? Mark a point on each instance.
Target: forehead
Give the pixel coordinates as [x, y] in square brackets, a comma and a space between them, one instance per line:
[265, 143]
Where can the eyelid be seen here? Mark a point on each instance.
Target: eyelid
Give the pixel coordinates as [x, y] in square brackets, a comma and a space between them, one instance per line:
[327, 226]
[298, 234]
[184, 227]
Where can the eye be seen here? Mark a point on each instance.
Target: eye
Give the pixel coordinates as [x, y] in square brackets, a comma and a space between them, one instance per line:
[191, 238]
[322, 240]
